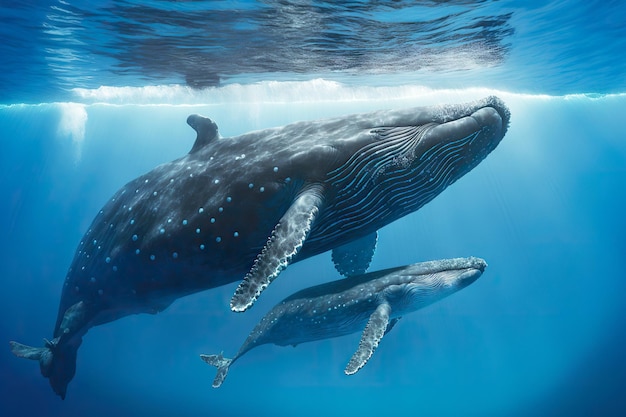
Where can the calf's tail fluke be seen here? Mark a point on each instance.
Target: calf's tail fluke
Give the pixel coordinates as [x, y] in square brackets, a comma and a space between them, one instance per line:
[221, 363]
[57, 362]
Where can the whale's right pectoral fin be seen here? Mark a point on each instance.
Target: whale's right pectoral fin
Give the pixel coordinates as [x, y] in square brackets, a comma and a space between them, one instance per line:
[376, 328]
[284, 243]
[355, 257]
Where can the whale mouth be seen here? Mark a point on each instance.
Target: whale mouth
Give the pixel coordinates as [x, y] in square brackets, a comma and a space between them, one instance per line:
[490, 117]
[476, 110]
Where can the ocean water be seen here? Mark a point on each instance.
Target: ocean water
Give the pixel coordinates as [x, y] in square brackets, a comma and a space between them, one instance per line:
[92, 97]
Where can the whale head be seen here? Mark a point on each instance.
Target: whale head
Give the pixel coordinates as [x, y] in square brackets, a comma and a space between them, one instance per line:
[402, 160]
[428, 282]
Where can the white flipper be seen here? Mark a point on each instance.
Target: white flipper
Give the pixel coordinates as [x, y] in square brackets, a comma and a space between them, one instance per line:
[373, 333]
[285, 242]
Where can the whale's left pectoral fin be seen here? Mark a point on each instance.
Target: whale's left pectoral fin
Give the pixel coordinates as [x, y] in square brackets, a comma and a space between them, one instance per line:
[284, 243]
[376, 328]
[355, 257]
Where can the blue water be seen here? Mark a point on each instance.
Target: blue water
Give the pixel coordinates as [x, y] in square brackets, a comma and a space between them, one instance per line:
[94, 96]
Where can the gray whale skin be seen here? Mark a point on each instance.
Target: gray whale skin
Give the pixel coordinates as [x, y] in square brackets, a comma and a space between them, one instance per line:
[243, 208]
[372, 303]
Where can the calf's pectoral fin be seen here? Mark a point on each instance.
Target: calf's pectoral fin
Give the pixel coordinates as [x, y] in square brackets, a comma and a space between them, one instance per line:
[355, 257]
[284, 243]
[374, 331]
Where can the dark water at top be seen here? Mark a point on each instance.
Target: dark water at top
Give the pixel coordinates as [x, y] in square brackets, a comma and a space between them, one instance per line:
[539, 47]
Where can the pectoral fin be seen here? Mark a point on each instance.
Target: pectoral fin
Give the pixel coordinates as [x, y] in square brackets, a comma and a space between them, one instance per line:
[284, 243]
[355, 257]
[374, 331]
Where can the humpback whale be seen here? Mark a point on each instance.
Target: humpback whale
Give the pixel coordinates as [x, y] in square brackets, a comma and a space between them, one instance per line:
[243, 208]
[372, 303]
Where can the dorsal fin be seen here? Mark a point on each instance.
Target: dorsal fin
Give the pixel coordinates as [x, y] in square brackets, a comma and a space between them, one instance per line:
[205, 128]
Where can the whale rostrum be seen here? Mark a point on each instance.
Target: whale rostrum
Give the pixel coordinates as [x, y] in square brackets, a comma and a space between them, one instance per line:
[243, 208]
[371, 303]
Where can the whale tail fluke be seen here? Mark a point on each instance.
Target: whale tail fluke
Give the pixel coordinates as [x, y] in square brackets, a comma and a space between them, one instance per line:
[221, 363]
[56, 362]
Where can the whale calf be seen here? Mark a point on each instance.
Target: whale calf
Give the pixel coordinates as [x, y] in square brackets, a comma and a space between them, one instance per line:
[371, 303]
[243, 208]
